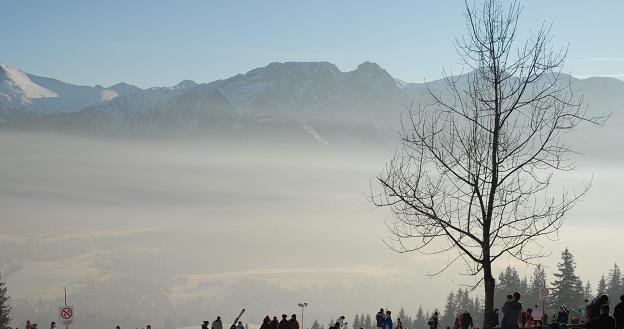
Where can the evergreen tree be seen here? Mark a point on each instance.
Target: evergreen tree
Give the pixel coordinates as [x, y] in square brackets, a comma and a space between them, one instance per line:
[614, 285]
[356, 322]
[567, 288]
[420, 322]
[588, 292]
[508, 282]
[450, 311]
[538, 281]
[402, 315]
[368, 322]
[602, 286]
[5, 308]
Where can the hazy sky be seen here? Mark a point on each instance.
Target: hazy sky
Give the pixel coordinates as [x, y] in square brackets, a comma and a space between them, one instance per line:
[162, 42]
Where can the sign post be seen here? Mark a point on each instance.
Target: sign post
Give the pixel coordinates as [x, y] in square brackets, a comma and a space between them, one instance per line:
[66, 313]
[543, 296]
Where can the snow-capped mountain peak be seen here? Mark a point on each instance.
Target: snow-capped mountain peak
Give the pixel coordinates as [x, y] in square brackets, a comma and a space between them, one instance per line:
[16, 87]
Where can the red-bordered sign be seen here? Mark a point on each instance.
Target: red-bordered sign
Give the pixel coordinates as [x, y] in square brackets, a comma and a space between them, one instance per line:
[66, 313]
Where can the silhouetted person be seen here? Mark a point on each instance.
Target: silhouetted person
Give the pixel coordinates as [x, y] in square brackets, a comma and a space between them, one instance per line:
[217, 324]
[292, 323]
[379, 319]
[563, 315]
[434, 321]
[511, 312]
[53, 325]
[240, 325]
[266, 323]
[284, 323]
[467, 321]
[604, 321]
[495, 318]
[340, 320]
[204, 325]
[274, 323]
[593, 309]
[618, 314]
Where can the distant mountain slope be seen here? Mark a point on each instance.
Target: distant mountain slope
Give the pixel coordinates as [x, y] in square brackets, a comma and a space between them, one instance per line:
[312, 101]
[23, 91]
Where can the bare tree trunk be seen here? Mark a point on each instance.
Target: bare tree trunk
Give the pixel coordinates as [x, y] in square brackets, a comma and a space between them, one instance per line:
[488, 309]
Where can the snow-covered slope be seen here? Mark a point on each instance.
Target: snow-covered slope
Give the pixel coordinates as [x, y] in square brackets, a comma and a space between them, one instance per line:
[23, 91]
[16, 88]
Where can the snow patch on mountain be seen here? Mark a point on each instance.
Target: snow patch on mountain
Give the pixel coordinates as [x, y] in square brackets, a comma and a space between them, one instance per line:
[16, 88]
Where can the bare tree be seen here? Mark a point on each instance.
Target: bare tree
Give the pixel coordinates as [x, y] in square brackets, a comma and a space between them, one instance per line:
[473, 177]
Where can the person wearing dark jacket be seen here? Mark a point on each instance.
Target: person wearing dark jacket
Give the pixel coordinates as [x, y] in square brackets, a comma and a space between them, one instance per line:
[495, 318]
[266, 323]
[593, 309]
[217, 324]
[284, 323]
[467, 321]
[511, 312]
[379, 319]
[274, 323]
[292, 323]
[604, 321]
[618, 314]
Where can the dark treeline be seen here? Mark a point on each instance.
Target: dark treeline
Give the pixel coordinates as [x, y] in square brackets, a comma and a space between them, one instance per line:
[566, 288]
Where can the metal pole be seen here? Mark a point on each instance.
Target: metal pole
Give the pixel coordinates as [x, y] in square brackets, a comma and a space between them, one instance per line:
[302, 308]
[65, 288]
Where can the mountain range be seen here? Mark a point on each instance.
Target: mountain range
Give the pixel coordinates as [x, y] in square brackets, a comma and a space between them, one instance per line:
[312, 101]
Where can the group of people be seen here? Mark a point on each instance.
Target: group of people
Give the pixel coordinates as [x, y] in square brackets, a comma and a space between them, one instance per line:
[274, 323]
[383, 320]
[464, 321]
[30, 325]
[596, 315]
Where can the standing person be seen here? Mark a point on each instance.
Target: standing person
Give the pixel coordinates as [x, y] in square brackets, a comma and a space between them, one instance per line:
[618, 314]
[266, 323]
[399, 324]
[203, 326]
[28, 324]
[240, 325]
[433, 320]
[217, 324]
[292, 323]
[495, 318]
[529, 318]
[340, 321]
[593, 309]
[379, 319]
[284, 323]
[117, 327]
[511, 312]
[467, 321]
[563, 315]
[388, 321]
[53, 325]
[604, 321]
[274, 323]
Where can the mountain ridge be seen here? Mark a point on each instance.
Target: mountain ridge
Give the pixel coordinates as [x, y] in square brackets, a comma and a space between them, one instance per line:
[313, 101]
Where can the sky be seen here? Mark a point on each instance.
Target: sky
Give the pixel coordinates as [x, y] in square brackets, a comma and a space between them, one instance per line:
[159, 43]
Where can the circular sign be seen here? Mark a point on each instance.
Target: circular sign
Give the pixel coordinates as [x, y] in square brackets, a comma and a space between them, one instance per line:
[66, 313]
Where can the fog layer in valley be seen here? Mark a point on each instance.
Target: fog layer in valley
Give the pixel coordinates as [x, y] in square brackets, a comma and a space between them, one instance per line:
[175, 232]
